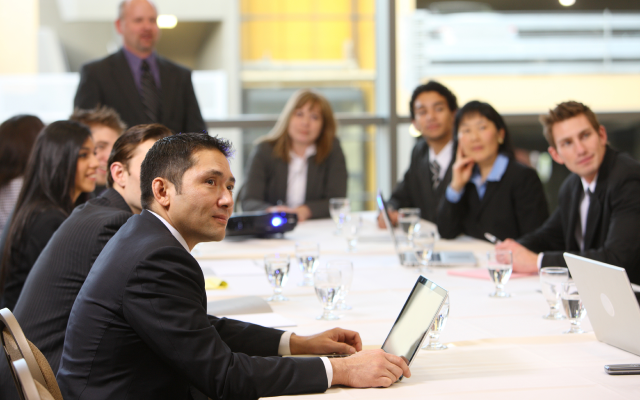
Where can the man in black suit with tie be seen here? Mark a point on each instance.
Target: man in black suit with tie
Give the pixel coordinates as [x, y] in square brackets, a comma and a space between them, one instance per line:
[433, 108]
[139, 327]
[140, 85]
[598, 214]
[48, 294]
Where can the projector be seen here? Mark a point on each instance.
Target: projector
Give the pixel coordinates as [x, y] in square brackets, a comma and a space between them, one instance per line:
[261, 223]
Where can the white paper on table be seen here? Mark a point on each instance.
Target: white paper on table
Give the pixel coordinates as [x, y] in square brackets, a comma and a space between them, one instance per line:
[269, 320]
[223, 268]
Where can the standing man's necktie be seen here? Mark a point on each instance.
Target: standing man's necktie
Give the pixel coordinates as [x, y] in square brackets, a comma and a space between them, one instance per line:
[150, 96]
[435, 173]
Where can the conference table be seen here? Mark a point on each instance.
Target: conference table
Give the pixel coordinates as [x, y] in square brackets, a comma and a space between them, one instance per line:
[499, 348]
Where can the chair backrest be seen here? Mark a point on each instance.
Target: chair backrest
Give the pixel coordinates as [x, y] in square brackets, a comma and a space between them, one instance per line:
[30, 389]
[16, 345]
[49, 377]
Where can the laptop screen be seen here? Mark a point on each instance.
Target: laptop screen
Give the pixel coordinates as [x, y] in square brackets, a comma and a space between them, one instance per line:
[415, 319]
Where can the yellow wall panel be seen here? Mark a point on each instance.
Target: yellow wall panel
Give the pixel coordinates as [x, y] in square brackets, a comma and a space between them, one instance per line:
[331, 37]
[297, 39]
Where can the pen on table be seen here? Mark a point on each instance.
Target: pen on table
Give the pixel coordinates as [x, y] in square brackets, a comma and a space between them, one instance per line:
[492, 238]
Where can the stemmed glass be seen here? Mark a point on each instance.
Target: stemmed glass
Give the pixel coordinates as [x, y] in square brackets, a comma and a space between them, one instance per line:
[346, 268]
[437, 327]
[350, 227]
[307, 255]
[551, 279]
[328, 284]
[500, 266]
[408, 219]
[277, 269]
[573, 306]
[339, 208]
[423, 243]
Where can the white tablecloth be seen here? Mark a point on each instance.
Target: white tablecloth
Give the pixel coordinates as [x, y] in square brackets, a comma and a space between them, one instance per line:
[499, 348]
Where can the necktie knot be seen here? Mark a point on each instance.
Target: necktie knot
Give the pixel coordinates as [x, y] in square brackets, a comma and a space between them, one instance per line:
[145, 66]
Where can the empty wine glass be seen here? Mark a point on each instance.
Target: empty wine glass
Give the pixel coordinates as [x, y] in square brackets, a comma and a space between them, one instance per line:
[408, 219]
[500, 265]
[307, 255]
[339, 208]
[437, 327]
[551, 279]
[277, 268]
[350, 228]
[423, 243]
[346, 268]
[328, 284]
[573, 306]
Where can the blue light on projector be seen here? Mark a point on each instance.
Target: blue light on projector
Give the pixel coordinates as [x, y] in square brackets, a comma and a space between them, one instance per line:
[276, 221]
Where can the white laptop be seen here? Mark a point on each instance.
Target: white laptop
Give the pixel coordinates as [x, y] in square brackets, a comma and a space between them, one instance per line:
[610, 302]
[408, 258]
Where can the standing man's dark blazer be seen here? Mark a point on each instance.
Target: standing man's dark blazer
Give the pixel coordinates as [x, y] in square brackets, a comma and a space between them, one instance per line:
[266, 184]
[511, 207]
[416, 189]
[139, 329]
[613, 221]
[110, 82]
[56, 278]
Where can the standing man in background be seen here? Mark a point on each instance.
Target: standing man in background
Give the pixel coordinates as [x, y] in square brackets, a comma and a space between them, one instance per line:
[106, 127]
[140, 85]
[433, 108]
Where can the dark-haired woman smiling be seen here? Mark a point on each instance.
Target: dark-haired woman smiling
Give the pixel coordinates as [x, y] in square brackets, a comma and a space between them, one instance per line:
[60, 173]
[490, 191]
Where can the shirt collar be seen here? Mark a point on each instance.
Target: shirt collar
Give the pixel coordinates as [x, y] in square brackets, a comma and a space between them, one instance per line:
[444, 157]
[173, 231]
[497, 171]
[135, 62]
[310, 151]
[590, 186]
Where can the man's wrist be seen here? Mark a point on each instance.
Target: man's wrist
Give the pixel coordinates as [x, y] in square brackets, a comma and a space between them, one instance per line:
[339, 371]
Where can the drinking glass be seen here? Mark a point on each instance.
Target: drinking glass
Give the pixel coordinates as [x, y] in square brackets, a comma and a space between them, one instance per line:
[277, 269]
[500, 265]
[408, 219]
[350, 228]
[339, 208]
[437, 327]
[346, 268]
[573, 306]
[308, 255]
[328, 284]
[551, 279]
[423, 243]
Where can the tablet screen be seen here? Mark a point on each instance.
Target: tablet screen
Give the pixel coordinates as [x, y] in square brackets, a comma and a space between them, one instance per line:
[415, 319]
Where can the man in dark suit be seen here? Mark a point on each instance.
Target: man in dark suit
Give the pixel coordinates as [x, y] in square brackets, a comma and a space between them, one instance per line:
[139, 327]
[598, 214]
[433, 109]
[140, 85]
[56, 278]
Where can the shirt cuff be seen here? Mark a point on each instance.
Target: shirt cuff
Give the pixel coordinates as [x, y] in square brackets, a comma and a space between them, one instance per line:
[284, 348]
[540, 255]
[329, 368]
[453, 196]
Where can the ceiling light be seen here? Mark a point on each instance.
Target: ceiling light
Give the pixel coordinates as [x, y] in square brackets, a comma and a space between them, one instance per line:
[170, 21]
[567, 3]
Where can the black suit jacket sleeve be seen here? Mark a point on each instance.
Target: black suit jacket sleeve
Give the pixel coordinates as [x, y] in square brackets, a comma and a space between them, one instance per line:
[163, 303]
[193, 118]
[88, 93]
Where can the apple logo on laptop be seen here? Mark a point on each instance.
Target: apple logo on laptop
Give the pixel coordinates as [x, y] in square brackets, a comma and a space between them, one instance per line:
[607, 304]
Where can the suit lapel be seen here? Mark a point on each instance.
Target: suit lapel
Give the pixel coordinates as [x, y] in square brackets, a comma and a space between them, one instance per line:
[597, 200]
[122, 76]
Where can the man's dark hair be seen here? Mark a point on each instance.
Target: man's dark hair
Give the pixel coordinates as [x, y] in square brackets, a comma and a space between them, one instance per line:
[126, 144]
[433, 86]
[172, 156]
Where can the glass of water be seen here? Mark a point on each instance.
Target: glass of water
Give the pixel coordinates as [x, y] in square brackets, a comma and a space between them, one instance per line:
[437, 327]
[277, 269]
[328, 284]
[308, 255]
[500, 265]
[339, 208]
[551, 279]
[350, 228]
[573, 306]
[408, 219]
[346, 268]
[423, 243]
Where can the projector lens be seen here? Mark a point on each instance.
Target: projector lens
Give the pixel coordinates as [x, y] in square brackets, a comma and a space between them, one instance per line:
[276, 221]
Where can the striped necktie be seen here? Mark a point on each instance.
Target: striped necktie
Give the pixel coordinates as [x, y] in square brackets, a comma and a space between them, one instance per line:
[435, 173]
[150, 97]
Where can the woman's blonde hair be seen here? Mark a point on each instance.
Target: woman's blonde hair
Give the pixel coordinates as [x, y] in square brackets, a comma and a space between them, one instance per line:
[279, 135]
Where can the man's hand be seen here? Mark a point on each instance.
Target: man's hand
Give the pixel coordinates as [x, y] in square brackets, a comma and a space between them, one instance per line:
[370, 368]
[336, 340]
[524, 260]
[393, 217]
